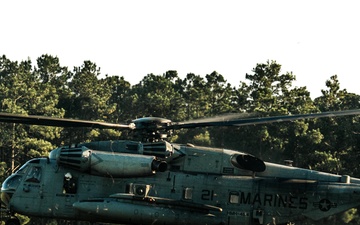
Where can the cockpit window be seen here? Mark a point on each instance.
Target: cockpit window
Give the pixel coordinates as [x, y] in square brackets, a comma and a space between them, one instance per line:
[24, 168]
[234, 197]
[34, 174]
[11, 183]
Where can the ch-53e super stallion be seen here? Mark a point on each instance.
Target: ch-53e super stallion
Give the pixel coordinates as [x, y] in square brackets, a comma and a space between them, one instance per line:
[158, 182]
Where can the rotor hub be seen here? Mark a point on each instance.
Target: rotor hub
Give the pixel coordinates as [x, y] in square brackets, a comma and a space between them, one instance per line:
[152, 129]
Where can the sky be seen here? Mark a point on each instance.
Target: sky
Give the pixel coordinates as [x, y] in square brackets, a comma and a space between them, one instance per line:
[312, 39]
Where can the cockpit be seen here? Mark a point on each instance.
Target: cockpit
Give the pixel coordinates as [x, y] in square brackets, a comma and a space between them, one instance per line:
[31, 170]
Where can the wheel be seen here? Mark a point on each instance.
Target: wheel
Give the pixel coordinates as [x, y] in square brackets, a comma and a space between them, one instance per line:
[13, 221]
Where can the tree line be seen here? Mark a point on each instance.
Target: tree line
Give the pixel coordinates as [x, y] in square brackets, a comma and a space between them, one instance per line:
[49, 89]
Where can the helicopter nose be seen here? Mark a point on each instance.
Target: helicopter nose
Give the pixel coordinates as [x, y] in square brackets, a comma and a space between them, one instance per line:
[9, 187]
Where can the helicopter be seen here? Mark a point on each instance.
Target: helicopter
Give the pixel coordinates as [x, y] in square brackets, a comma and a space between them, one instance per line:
[154, 181]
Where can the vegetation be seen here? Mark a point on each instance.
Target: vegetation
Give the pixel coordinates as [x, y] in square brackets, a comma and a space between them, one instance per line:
[47, 88]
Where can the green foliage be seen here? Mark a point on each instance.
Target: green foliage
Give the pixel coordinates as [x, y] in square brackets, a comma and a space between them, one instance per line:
[156, 96]
[350, 215]
[202, 139]
[3, 168]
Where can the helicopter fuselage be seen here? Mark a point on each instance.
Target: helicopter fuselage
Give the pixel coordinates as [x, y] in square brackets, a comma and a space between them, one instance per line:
[161, 183]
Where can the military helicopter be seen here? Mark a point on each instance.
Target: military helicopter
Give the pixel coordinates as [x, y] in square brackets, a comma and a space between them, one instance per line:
[157, 182]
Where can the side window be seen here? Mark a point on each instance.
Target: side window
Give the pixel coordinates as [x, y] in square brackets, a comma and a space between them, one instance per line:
[234, 197]
[70, 184]
[34, 175]
[187, 193]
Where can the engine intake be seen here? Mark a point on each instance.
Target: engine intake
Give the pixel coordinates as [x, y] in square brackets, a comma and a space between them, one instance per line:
[161, 149]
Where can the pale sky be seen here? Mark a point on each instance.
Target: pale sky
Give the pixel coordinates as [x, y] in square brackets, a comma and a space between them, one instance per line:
[314, 39]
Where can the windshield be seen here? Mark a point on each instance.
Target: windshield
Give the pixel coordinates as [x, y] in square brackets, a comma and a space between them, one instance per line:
[31, 168]
[24, 168]
[34, 174]
[11, 183]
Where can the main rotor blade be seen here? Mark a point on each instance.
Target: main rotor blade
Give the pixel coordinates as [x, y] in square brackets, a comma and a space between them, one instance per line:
[58, 122]
[228, 121]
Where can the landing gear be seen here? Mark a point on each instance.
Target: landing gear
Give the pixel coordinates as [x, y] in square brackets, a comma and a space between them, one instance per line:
[13, 221]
